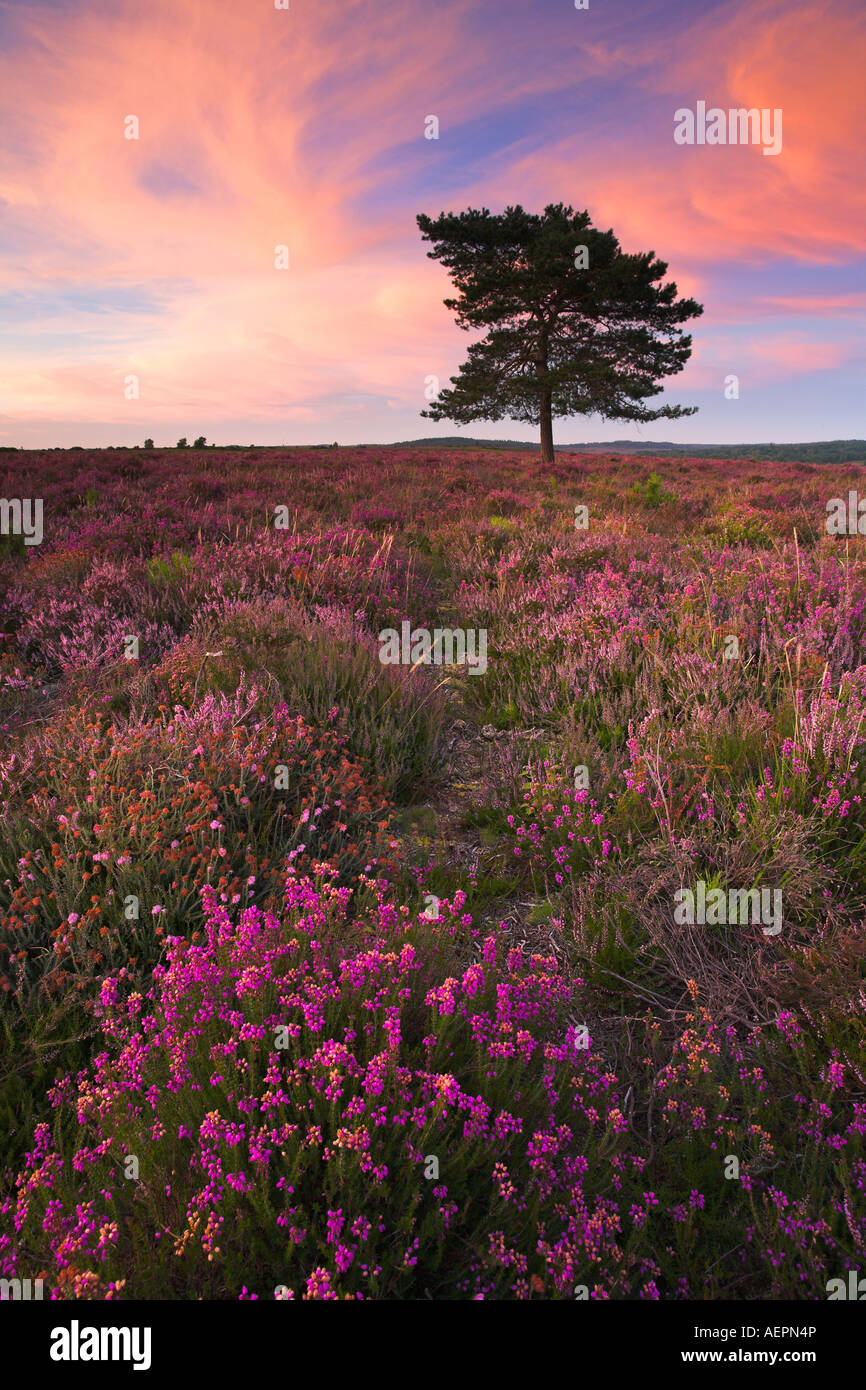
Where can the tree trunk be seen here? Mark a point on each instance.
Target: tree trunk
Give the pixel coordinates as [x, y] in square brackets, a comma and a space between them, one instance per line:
[545, 395]
[545, 410]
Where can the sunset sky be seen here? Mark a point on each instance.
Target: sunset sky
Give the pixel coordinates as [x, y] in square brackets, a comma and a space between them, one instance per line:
[305, 127]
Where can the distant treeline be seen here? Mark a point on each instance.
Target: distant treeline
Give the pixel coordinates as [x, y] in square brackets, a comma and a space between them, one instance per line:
[819, 451]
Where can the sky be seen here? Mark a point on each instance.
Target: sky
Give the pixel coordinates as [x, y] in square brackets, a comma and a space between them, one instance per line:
[142, 293]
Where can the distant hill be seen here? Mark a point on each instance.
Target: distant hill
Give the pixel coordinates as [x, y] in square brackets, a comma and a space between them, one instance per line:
[818, 451]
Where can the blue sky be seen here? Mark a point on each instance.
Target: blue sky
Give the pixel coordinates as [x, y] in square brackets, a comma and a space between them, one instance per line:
[153, 259]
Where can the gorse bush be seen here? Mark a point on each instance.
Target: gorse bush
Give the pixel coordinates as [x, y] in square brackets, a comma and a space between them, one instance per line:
[742, 525]
[164, 571]
[652, 494]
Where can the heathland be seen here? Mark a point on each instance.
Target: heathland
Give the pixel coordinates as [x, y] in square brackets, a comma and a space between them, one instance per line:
[327, 977]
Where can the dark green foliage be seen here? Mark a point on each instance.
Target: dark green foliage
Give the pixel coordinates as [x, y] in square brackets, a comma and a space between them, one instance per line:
[568, 333]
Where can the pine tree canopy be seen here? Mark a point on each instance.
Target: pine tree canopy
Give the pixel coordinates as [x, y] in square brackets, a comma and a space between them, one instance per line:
[575, 326]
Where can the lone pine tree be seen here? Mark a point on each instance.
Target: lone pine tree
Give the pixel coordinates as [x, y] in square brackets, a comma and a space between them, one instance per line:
[575, 325]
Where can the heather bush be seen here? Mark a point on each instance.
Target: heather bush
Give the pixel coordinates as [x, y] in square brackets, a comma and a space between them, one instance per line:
[287, 1113]
[226, 794]
[559, 830]
[326, 666]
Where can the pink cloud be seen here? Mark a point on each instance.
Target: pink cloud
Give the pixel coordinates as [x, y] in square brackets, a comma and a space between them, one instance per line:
[261, 127]
[703, 205]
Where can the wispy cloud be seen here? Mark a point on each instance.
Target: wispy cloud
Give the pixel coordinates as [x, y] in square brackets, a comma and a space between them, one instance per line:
[305, 128]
